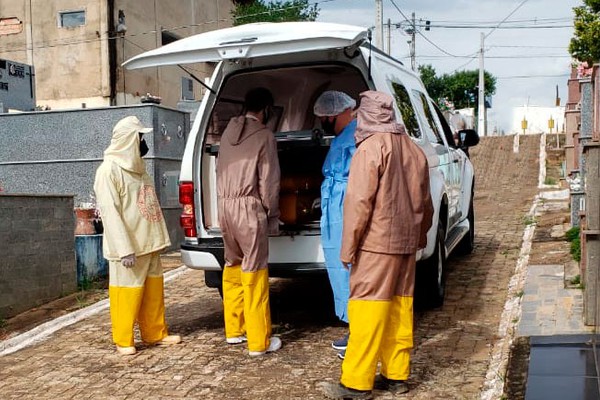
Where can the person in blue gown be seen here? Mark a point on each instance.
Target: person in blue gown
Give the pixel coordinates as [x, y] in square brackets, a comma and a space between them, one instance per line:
[336, 112]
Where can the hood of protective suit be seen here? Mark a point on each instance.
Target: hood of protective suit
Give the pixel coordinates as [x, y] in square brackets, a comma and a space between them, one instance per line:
[241, 128]
[124, 148]
[376, 115]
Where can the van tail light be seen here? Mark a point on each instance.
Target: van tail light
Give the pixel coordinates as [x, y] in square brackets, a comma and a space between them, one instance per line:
[187, 220]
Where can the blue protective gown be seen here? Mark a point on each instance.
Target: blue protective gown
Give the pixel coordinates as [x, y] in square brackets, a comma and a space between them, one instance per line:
[333, 190]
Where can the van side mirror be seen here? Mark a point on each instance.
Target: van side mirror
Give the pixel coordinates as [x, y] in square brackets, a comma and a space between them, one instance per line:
[468, 137]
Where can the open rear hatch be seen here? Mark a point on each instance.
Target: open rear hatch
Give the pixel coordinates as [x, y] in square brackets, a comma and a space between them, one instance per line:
[251, 40]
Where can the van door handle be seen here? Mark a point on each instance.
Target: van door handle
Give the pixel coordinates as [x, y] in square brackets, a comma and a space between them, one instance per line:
[455, 160]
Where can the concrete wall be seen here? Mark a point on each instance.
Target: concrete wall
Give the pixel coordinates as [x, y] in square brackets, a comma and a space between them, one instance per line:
[72, 64]
[37, 251]
[58, 152]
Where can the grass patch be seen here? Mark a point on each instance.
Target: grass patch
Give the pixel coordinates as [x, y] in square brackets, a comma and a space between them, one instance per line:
[549, 181]
[529, 220]
[572, 235]
[576, 280]
[3, 323]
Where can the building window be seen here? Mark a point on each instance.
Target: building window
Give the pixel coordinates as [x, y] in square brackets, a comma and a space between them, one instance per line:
[69, 19]
[168, 37]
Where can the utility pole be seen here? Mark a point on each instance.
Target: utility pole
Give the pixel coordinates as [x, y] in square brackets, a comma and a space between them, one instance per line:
[389, 37]
[379, 24]
[413, 61]
[481, 97]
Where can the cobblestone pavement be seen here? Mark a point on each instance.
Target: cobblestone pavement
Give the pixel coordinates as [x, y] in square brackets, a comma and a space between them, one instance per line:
[452, 344]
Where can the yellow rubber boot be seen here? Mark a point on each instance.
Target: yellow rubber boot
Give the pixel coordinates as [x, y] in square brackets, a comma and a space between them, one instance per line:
[256, 309]
[151, 317]
[124, 308]
[398, 340]
[233, 302]
[368, 320]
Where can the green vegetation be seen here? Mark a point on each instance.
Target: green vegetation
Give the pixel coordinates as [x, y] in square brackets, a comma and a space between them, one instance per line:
[459, 88]
[86, 284]
[3, 323]
[277, 11]
[585, 44]
[572, 235]
[549, 181]
[529, 220]
[576, 280]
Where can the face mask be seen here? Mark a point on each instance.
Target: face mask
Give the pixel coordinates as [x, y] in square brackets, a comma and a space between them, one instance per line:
[329, 126]
[143, 148]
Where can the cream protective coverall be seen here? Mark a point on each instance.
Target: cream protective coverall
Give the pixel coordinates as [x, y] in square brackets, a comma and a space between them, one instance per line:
[133, 224]
[248, 179]
[387, 213]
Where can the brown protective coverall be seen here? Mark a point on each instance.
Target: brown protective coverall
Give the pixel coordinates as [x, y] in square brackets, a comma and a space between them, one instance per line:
[387, 213]
[388, 208]
[248, 192]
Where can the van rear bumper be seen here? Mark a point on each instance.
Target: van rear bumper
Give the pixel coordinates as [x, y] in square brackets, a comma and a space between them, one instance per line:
[209, 255]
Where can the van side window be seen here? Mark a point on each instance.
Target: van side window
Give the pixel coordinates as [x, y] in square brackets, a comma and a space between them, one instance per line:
[431, 129]
[406, 109]
[445, 127]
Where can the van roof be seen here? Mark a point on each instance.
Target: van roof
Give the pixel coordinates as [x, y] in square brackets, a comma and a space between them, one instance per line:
[251, 40]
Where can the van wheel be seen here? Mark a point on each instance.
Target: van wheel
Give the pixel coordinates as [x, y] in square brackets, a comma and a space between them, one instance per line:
[214, 279]
[430, 285]
[467, 243]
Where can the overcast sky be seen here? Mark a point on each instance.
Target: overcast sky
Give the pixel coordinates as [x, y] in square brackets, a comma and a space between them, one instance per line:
[539, 54]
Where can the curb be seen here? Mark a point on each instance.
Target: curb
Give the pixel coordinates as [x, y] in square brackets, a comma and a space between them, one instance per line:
[41, 332]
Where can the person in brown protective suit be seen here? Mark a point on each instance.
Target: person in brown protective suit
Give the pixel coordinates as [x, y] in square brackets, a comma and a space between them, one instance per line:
[387, 213]
[248, 204]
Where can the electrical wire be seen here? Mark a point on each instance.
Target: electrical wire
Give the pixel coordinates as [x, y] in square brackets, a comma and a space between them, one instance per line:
[507, 17]
[532, 76]
[421, 34]
[107, 36]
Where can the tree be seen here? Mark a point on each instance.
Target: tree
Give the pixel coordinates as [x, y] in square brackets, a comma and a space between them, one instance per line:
[431, 81]
[585, 45]
[462, 87]
[276, 11]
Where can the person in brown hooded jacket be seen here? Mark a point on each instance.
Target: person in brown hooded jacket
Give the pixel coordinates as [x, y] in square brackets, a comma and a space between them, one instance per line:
[387, 213]
[248, 178]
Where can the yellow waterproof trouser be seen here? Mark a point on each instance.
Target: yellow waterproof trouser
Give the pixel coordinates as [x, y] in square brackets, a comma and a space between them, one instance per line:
[368, 320]
[398, 339]
[233, 301]
[379, 329]
[136, 294]
[257, 312]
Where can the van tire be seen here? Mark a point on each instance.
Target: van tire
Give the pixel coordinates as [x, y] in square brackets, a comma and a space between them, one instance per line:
[430, 285]
[467, 243]
[214, 279]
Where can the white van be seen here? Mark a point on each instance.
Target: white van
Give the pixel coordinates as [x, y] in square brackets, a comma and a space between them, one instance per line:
[297, 61]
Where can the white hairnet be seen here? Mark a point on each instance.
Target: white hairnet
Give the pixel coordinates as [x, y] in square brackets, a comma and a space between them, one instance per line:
[332, 103]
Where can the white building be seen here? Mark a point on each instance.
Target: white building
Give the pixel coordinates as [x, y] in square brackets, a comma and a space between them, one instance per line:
[537, 119]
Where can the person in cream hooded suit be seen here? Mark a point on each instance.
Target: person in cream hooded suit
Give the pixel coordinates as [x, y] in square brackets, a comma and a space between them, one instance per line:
[134, 235]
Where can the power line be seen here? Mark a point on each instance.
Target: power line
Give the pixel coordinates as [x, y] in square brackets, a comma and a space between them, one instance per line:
[507, 17]
[421, 34]
[107, 36]
[534, 20]
[532, 76]
[508, 57]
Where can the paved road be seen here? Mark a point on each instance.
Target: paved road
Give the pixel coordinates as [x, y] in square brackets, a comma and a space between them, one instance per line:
[453, 343]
